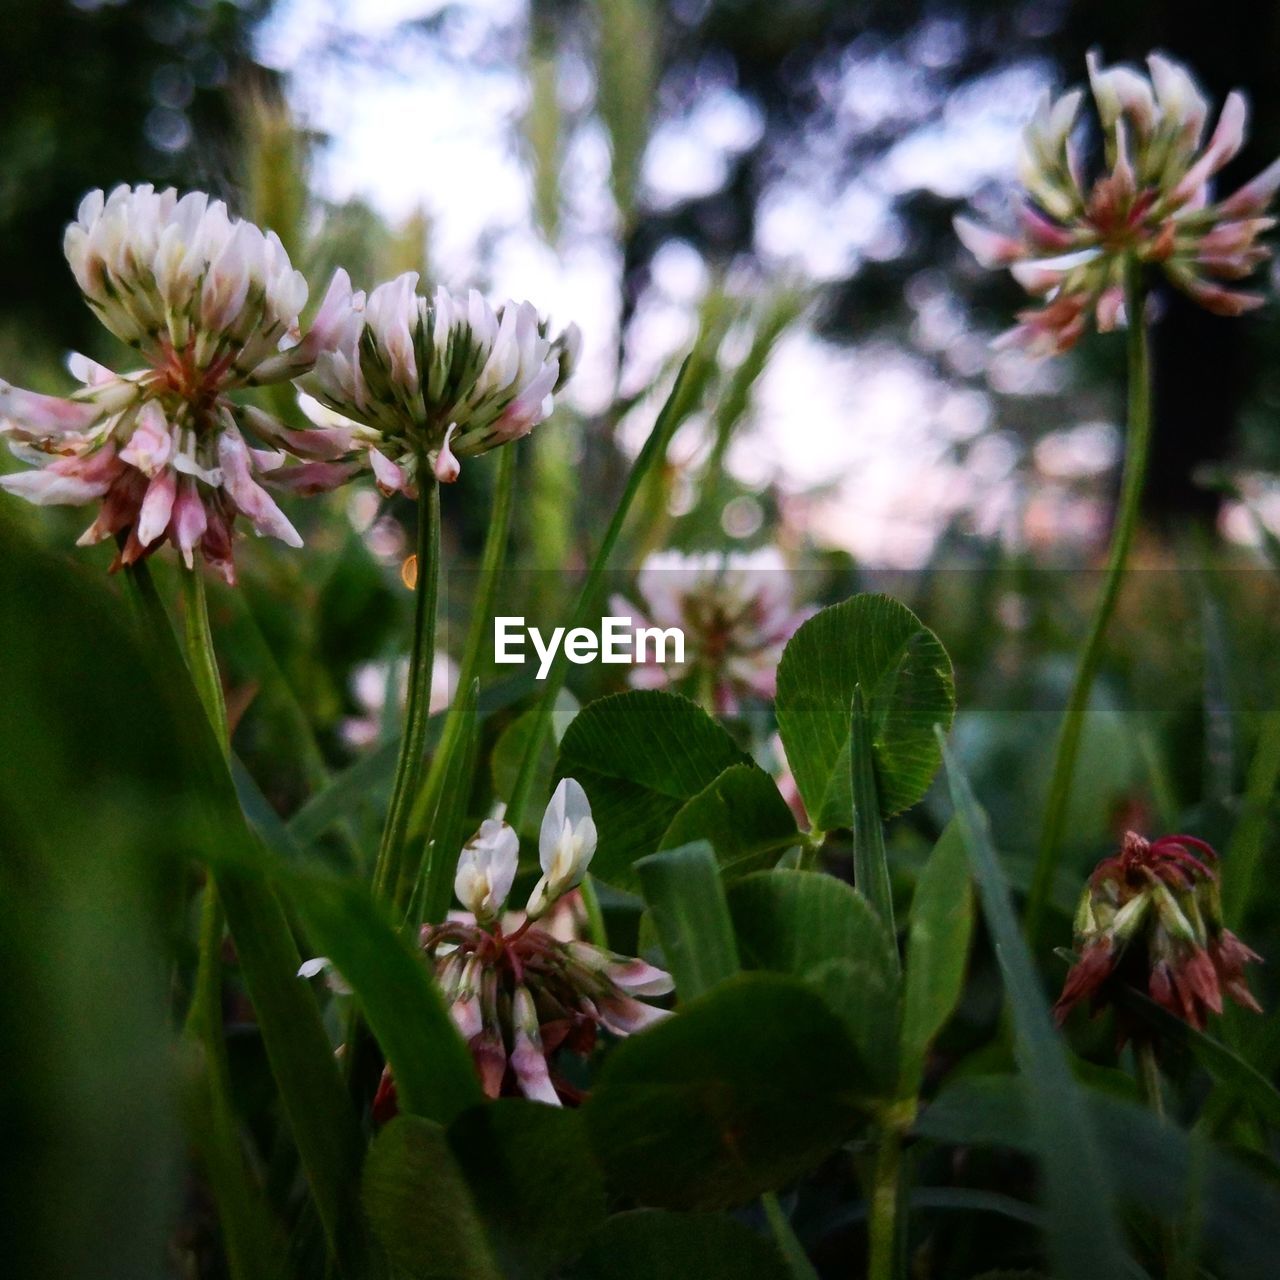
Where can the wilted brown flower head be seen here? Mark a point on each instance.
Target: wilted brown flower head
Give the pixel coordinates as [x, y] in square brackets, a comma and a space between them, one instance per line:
[1151, 917]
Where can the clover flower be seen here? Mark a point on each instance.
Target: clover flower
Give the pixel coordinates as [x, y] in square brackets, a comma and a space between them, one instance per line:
[211, 304]
[1152, 202]
[521, 998]
[1151, 917]
[439, 379]
[737, 611]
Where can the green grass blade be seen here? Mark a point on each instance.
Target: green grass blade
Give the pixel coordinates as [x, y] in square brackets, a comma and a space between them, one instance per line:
[1248, 841]
[938, 936]
[404, 1009]
[679, 404]
[1084, 1238]
[684, 892]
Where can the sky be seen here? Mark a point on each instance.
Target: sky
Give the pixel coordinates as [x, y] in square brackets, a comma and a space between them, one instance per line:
[861, 440]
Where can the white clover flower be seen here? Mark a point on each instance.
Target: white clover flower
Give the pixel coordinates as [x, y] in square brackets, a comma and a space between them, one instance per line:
[211, 304]
[433, 381]
[737, 611]
[566, 845]
[486, 869]
[1151, 203]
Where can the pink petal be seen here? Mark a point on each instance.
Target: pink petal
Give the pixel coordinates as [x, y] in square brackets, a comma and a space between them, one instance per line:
[388, 477]
[314, 477]
[35, 416]
[189, 518]
[157, 506]
[249, 496]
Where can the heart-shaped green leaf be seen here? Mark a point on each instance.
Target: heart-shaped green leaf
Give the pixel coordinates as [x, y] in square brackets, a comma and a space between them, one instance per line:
[420, 1207]
[821, 931]
[641, 756]
[906, 679]
[744, 818]
[742, 1091]
[532, 1178]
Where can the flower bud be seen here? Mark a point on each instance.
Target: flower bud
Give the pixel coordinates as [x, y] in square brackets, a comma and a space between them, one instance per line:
[486, 869]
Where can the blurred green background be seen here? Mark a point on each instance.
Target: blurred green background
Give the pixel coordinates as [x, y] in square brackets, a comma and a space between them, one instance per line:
[782, 174]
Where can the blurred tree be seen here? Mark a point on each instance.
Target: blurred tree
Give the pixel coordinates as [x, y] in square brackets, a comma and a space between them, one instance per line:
[798, 64]
[98, 92]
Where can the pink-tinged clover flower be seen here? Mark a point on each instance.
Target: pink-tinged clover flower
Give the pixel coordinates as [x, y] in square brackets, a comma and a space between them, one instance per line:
[1152, 202]
[737, 611]
[211, 304]
[1151, 917]
[441, 379]
[522, 996]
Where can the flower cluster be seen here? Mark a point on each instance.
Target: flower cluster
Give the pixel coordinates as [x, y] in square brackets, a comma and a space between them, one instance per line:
[736, 610]
[1151, 917]
[441, 379]
[519, 998]
[211, 305]
[1152, 204]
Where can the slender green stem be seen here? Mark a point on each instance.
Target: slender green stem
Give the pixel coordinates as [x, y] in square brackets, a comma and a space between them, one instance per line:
[491, 560]
[650, 456]
[1137, 447]
[798, 1264]
[323, 1127]
[418, 706]
[247, 1228]
[204, 1018]
[1151, 1089]
[198, 638]
[883, 1209]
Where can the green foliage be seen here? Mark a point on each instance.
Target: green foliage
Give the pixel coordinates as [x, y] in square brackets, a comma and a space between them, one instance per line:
[686, 898]
[434, 1076]
[743, 1091]
[874, 643]
[421, 1208]
[640, 756]
[743, 817]
[677, 1246]
[512, 744]
[1084, 1238]
[938, 935]
[533, 1180]
[819, 930]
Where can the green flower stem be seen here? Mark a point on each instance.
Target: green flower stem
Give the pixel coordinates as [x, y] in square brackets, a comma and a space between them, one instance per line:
[198, 638]
[1151, 1091]
[883, 1208]
[478, 633]
[246, 1226]
[314, 1102]
[649, 457]
[797, 1261]
[204, 1016]
[418, 707]
[1137, 447]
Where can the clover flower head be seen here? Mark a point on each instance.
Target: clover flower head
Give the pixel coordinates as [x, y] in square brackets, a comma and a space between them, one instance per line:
[1151, 917]
[1151, 203]
[440, 379]
[737, 611]
[210, 303]
[521, 997]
